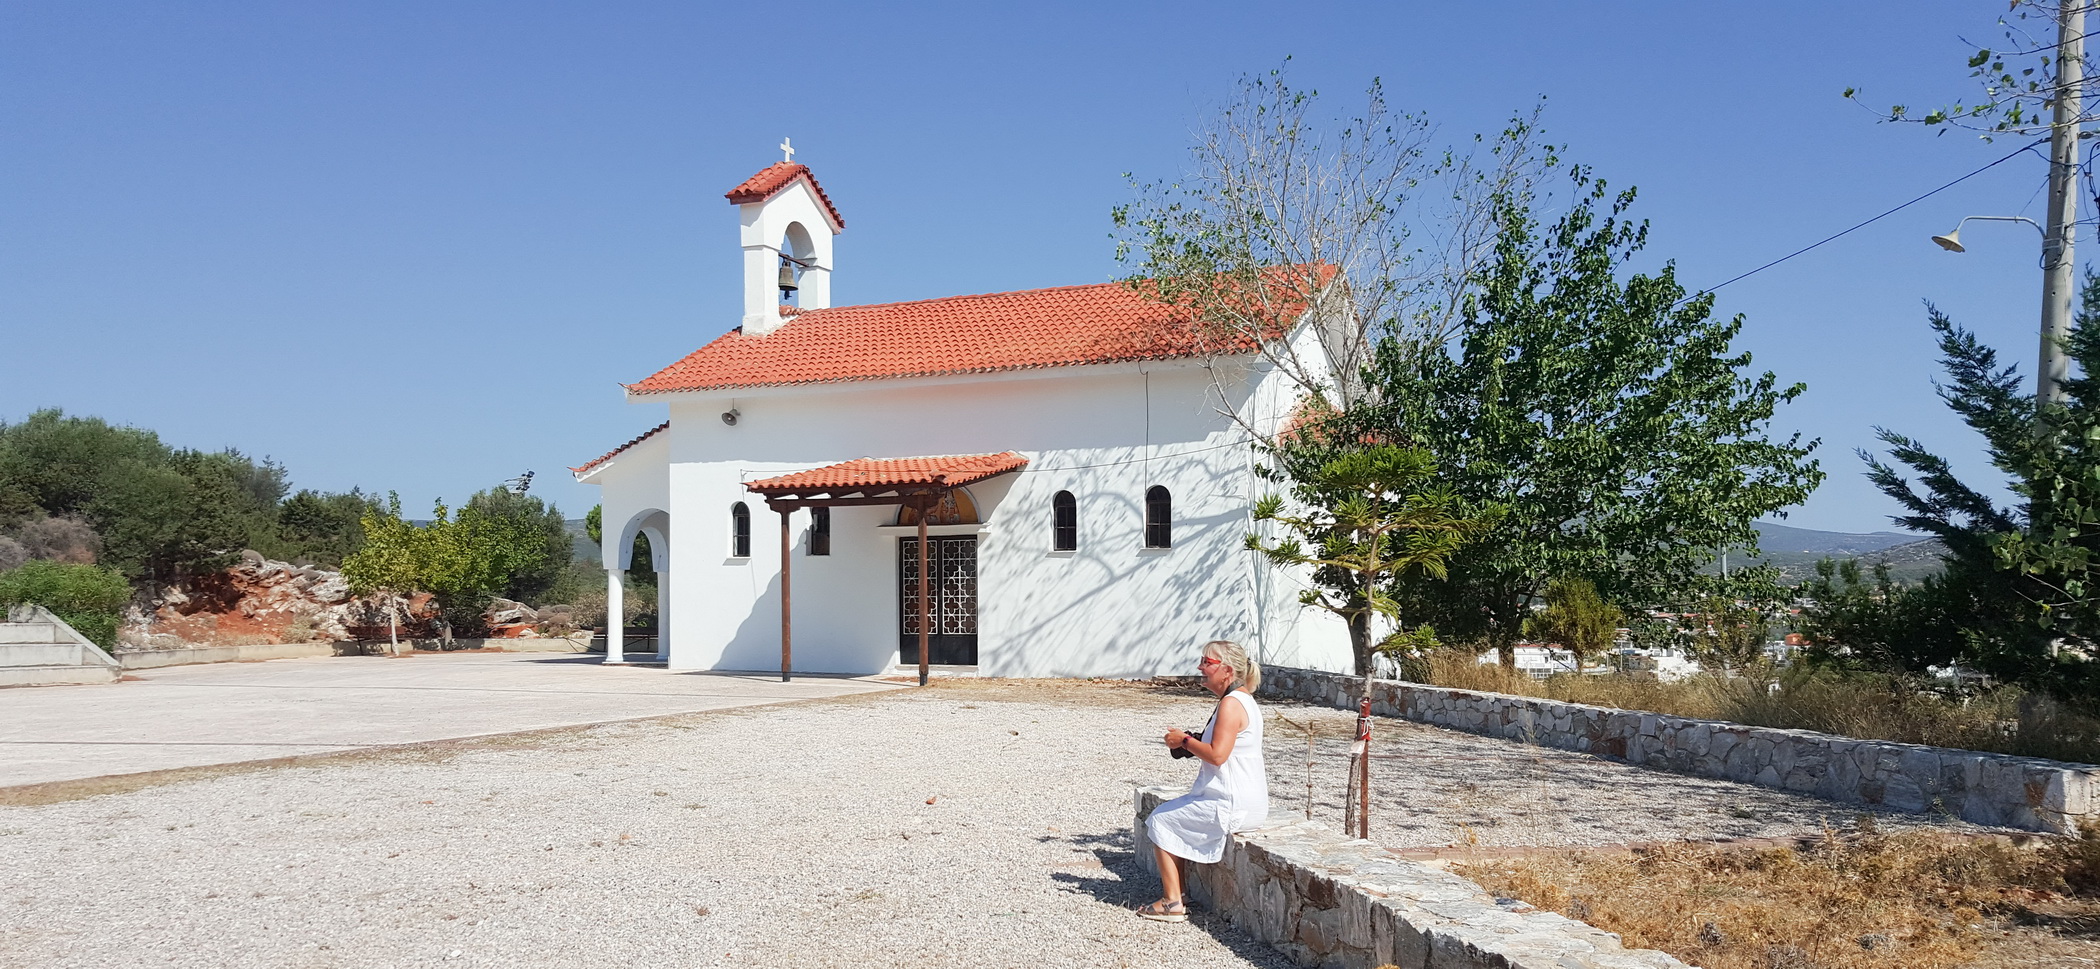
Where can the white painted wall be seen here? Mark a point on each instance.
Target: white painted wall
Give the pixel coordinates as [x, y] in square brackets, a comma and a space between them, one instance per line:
[1110, 608]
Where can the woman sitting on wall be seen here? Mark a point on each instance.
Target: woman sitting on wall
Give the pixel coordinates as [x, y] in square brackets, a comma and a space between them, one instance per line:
[1231, 792]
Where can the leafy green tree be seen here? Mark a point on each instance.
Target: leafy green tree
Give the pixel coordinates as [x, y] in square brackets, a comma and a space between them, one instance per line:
[1358, 519]
[1863, 619]
[161, 513]
[531, 538]
[89, 598]
[594, 524]
[1576, 619]
[390, 563]
[499, 543]
[51, 464]
[1610, 416]
[322, 528]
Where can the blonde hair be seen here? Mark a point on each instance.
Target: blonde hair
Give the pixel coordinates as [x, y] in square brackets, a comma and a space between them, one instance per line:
[1246, 674]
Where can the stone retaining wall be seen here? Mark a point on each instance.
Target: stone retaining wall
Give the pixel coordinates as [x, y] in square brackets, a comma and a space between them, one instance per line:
[2016, 792]
[1327, 900]
[139, 659]
[146, 659]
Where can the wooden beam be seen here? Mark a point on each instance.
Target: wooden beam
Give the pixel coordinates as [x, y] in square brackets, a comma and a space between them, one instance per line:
[797, 504]
[787, 612]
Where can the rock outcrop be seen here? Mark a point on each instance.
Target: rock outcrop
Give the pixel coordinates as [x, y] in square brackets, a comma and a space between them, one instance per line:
[510, 619]
[263, 600]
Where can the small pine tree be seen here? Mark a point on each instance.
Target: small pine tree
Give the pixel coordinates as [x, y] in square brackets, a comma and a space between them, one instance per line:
[1576, 619]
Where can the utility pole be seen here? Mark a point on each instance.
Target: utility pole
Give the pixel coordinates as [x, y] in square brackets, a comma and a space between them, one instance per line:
[2059, 235]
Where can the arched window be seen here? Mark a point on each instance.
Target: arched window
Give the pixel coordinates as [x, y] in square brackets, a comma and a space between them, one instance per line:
[739, 531]
[1064, 522]
[1159, 517]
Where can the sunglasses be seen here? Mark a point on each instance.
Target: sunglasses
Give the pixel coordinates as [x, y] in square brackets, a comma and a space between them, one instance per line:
[1209, 661]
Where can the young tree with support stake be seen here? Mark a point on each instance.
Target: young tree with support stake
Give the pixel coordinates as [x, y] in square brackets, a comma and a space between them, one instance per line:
[1358, 519]
[389, 564]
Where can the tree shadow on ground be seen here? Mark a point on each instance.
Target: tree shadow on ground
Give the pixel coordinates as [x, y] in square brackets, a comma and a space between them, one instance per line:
[1125, 884]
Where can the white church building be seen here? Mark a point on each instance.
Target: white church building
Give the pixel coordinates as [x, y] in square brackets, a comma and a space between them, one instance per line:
[1078, 465]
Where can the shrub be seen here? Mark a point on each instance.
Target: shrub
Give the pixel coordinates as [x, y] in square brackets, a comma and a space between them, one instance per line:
[89, 598]
[61, 539]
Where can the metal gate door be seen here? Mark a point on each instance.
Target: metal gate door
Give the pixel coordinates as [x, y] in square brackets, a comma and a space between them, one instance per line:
[951, 600]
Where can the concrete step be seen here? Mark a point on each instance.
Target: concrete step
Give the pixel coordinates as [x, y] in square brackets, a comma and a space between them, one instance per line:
[56, 675]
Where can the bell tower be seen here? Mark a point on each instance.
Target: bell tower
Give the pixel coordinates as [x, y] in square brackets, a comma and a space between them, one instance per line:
[788, 227]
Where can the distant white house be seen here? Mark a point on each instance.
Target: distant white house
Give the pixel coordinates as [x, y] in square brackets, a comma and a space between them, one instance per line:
[1078, 459]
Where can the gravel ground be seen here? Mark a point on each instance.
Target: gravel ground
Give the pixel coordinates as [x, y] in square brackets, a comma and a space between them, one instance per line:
[972, 824]
[1435, 788]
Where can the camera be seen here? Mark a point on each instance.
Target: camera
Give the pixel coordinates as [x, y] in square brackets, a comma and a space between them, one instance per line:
[1179, 752]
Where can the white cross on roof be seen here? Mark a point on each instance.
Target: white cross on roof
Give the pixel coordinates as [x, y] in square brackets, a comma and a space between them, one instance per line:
[787, 150]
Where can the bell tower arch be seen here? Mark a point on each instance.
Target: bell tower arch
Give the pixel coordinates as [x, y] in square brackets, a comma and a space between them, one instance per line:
[788, 225]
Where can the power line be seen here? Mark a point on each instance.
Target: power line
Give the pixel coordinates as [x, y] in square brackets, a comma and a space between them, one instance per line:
[1862, 225]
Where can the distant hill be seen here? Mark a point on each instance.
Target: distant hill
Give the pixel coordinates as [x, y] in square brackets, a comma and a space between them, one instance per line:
[586, 550]
[1797, 550]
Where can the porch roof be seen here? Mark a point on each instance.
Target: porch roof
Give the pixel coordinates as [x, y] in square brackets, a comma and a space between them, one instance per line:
[870, 477]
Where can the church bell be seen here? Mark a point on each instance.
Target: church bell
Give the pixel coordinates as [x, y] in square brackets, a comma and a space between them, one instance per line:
[787, 278]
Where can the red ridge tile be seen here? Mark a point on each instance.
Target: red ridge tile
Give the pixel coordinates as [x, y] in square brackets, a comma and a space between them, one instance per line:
[779, 175]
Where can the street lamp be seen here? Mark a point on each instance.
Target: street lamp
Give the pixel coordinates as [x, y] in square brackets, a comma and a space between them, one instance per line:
[2051, 370]
[1952, 240]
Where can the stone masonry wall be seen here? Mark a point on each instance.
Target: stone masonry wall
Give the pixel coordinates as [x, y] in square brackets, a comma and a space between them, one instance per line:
[1327, 900]
[1995, 789]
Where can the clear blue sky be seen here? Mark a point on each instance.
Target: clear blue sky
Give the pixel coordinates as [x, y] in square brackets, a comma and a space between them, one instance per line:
[415, 246]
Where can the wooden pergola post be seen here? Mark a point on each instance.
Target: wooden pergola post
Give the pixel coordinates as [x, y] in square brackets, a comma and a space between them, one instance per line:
[787, 610]
[925, 634]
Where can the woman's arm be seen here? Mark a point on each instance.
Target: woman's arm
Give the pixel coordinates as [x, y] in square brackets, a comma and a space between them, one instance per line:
[1231, 718]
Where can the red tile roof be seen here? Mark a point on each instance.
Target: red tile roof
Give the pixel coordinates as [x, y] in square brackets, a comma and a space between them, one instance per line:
[861, 474]
[779, 175]
[609, 455]
[1028, 330]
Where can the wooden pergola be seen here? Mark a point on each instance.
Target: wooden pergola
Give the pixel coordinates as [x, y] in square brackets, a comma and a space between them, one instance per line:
[919, 483]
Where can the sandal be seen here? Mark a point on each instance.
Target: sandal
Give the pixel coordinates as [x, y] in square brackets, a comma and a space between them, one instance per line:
[1164, 911]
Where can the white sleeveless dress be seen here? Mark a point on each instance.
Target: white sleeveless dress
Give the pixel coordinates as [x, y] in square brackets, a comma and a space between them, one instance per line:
[1232, 796]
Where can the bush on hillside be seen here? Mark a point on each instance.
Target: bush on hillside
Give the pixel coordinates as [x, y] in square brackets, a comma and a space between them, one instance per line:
[319, 528]
[61, 539]
[89, 598]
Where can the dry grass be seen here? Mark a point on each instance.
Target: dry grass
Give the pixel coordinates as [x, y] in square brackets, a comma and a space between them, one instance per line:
[1911, 901]
[1863, 706]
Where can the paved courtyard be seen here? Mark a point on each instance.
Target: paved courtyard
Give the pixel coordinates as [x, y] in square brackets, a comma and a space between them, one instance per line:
[968, 824]
[187, 716]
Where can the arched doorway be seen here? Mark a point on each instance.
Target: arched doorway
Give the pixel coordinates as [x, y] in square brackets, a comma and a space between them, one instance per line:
[637, 564]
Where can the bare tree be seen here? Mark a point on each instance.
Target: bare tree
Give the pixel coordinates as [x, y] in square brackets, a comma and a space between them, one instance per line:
[1363, 225]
